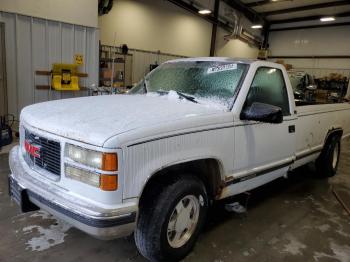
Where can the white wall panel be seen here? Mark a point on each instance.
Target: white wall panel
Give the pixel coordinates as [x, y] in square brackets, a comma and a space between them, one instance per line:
[38, 59]
[91, 57]
[328, 41]
[318, 41]
[11, 61]
[81, 12]
[24, 61]
[54, 34]
[35, 44]
[67, 31]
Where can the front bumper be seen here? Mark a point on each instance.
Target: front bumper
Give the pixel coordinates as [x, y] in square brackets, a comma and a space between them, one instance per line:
[100, 222]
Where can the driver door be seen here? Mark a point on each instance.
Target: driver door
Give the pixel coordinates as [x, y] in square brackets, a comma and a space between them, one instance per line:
[264, 151]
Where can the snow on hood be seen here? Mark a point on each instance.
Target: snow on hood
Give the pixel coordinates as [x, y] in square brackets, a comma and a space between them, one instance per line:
[94, 119]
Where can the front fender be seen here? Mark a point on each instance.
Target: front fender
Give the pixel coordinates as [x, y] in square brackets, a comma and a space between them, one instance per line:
[144, 160]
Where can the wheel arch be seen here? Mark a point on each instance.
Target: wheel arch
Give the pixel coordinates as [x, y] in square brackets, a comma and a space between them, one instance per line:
[333, 132]
[208, 170]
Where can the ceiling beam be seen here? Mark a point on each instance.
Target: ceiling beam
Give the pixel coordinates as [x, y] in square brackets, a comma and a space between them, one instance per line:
[264, 2]
[307, 18]
[305, 8]
[309, 26]
[248, 12]
[266, 33]
[214, 28]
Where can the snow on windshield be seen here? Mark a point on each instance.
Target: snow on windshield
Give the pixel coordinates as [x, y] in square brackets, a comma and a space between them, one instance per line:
[207, 81]
[208, 102]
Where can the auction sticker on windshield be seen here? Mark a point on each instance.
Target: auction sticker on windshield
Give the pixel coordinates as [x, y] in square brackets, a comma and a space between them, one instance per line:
[221, 68]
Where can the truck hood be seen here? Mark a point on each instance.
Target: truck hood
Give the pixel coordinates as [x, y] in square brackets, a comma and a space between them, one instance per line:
[94, 120]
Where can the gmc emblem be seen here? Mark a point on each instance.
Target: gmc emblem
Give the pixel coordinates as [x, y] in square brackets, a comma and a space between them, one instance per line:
[32, 150]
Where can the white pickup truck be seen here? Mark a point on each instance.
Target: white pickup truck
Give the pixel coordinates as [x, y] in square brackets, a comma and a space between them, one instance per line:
[151, 162]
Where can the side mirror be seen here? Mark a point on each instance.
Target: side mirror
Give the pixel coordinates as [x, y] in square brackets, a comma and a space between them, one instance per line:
[263, 113]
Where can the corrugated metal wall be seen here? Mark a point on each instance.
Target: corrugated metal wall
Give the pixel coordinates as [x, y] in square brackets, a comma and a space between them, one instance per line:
[34, 44]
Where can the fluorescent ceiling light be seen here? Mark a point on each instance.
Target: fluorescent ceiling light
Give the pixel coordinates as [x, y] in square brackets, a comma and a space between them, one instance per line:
[204, 12]
[256, 26]
[327, 19]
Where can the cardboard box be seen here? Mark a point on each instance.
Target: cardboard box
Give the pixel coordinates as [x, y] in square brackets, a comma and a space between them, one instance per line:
[107, 73]
[288, 66]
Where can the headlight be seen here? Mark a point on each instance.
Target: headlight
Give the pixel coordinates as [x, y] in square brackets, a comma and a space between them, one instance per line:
[84, 176]
[104, 182]
[95, 159]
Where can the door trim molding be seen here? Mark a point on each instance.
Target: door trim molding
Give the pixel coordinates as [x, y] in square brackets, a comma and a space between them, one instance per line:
[258, 171]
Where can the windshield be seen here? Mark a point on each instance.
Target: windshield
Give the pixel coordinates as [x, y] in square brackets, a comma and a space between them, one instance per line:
[203, 80]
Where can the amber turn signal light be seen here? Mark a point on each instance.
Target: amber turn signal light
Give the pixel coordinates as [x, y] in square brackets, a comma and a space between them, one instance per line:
[110, 162]
[109, 182]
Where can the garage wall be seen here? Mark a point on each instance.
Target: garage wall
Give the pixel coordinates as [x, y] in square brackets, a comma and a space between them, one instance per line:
[34, 44]
[320, 67]
[328, 41]
[142, 60]
[160, 25]
[233, 47]
[79, 12]
[317, 41]
[155, 25]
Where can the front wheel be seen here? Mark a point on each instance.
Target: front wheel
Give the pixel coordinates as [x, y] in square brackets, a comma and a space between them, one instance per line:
[327, 163]
[169, 225]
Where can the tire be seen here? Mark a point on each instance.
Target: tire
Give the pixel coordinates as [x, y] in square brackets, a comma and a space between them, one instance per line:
[158, 213]
[327, 162]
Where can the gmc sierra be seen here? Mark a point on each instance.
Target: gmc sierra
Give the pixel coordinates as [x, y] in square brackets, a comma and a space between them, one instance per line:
[151, 162]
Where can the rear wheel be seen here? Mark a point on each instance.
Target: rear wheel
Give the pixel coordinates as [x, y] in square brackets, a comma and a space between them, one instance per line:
[327, 162]
[169, 223]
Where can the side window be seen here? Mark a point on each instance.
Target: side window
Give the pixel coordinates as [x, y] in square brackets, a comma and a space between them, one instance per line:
[269, 87]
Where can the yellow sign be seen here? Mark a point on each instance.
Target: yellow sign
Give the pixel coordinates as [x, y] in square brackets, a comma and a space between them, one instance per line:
[65, 77]
[79, 60]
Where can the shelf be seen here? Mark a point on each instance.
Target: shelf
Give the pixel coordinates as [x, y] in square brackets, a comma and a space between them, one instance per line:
[42, 73]
[47, 87]
[48, 73]
[110, 60]
[109, 79]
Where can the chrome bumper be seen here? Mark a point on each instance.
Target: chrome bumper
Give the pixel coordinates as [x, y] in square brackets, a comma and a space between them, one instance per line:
[94, 220]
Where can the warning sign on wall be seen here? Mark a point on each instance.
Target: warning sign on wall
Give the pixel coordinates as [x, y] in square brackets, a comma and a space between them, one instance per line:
[78, 58]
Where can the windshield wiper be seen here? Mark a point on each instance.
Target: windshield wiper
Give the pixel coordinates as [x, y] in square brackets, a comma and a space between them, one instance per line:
[187, 97]
[182, 95]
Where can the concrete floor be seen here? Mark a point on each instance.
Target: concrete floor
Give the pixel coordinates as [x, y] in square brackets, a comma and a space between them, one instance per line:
[295, 219]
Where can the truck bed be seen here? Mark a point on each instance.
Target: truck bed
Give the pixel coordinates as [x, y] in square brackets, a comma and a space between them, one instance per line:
[313, 124]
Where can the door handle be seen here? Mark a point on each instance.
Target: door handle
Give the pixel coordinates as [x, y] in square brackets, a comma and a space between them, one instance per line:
[291, 129]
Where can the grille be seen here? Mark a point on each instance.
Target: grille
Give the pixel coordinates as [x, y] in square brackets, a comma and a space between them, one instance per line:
[49, 154]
